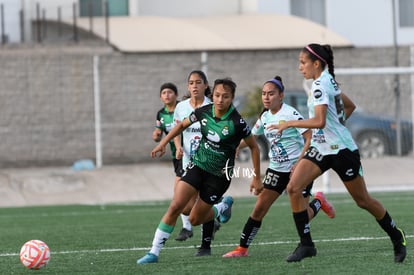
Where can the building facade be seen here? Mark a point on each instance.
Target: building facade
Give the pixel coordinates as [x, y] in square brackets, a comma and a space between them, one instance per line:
[364, 23]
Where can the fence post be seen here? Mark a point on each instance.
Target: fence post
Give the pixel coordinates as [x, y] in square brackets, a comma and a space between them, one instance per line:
[3, 35]
[107, 21]
[75, 27]
[91, 11]
[97, 103]
[204, 62]
[22, 33]
[412, 91]
[44, 25]
[38, 24]
[59, 21]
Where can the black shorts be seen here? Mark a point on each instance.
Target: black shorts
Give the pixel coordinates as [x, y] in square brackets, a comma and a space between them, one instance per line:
[278, 181]
[178, 167]
[346, 163]
[210, 187]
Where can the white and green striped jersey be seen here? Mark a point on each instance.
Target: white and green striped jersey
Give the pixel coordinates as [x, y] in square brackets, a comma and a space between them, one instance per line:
[192, 135]
[285, 149]
[334, 136]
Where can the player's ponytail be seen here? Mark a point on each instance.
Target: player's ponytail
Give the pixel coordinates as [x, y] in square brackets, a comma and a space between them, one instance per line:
[323, 53]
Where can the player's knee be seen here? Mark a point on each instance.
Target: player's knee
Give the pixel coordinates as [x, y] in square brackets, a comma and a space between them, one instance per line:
[175, 209]
[362, 203]
[194, 220]
[294, 190]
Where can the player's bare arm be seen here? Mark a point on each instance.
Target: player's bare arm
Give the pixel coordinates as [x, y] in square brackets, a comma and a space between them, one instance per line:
[178, 129]
[256, 186]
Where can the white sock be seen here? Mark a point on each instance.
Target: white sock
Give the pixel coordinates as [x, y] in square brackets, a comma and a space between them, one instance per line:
[160, 237]
[186, 222]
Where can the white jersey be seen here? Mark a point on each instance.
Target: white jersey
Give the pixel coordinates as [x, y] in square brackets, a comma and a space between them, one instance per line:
[192, 135]
[335, 136]
[285, 149]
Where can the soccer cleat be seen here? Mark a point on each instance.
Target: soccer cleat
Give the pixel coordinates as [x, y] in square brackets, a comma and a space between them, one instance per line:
[216, 228]
[301, 252]
[203, 252]
[400, 248]
[326, 206]
[184, 235]
[148, 259]
[226, 215]
[236, 253]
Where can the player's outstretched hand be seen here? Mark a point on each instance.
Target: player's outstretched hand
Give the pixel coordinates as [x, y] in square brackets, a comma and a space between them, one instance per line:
[279, 127]
[256, 186]
[158, 149]
[179, 153]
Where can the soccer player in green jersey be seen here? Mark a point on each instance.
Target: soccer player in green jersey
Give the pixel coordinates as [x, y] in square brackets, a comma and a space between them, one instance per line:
[210, 171]
[165, 121]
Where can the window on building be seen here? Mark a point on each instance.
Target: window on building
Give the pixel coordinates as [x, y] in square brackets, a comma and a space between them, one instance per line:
[406, 13]
[310, 9]
[97, 7]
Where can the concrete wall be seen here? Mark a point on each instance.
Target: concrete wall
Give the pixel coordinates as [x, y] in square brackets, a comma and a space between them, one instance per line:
[47, 103]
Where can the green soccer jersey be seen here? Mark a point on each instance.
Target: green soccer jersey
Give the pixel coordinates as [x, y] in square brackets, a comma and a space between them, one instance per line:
[220, 138]
[165, 122]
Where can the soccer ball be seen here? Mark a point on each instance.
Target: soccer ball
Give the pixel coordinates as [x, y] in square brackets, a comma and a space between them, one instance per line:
[35, 254]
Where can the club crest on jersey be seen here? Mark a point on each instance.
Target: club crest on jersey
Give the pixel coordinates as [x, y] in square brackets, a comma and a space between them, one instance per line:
[213, 136]
[225, 131]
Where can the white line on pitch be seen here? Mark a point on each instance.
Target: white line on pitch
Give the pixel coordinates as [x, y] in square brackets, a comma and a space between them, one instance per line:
[216, 245]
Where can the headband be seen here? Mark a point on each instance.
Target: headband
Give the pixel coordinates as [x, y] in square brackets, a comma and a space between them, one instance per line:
[315, 54]
[277, 83]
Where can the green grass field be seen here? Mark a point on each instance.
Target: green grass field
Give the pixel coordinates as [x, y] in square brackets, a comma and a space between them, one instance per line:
[109, 239]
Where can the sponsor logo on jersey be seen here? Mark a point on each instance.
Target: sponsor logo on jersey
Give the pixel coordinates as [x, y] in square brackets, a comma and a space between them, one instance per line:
[246, 129]
[194, 143]
[169, 126]
[213, 198]
[193, 129]
[349, 172]
[213, 136]
[317, 94]
[318, 136]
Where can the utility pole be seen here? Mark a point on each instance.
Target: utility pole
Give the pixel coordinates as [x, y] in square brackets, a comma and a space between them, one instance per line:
[396, 81]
